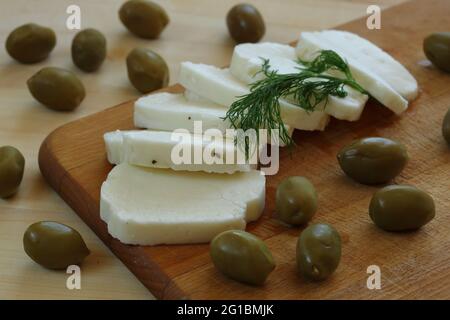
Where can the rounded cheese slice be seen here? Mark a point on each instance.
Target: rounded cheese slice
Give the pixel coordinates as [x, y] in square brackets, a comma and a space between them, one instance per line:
[159, 206]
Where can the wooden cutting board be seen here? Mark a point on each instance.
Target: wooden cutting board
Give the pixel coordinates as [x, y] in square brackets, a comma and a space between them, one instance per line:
[413, 265]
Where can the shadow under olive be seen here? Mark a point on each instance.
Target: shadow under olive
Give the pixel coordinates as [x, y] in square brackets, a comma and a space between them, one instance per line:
[30, 43]
[12, 164]
[318, 251]
[401, 208]
[146, 19]
[373, 160]
[446, 127]
[54, 245]
[245, 23]
[242, 256]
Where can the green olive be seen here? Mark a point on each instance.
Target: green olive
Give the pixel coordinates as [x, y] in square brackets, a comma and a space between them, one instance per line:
[12, 164]
[147, 70]
[373, 160]
[296, 200]
[146, 19]
[54, 245]
[242, 256]
[401, 208]
[245, 23]
[30, 43]
[318, 251]
[446, 127]
[437, 49]
[89, 49]
[57, 88]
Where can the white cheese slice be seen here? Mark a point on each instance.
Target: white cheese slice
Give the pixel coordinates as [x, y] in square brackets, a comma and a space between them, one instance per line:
[384, 65]
[163, 149]
[219, 86]
[171, 111]
[246, 65]
[145, 206]
[310, 43]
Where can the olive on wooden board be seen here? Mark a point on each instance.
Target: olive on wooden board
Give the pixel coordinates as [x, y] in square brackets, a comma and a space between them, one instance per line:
[373, 160]
[146, 19]
[30, 43]
[12, 164]
[242, 256]
[54, 245]
[296, 200]
[318, 251]
[89, 49]
[147, 70]
[446, 127]
[57, 88]
[437, 49]
[401, 208]
[245, 23]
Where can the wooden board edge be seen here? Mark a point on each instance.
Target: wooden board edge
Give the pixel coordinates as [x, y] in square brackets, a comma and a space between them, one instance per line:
[159, 284]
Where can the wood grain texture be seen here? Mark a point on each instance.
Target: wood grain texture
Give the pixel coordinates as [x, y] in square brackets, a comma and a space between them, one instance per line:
[197, 32]
[413, 265]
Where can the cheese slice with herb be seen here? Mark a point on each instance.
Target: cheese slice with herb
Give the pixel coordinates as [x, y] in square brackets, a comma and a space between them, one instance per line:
[310, 43]
[145, 206]
[178, 151]
[218, 85]
[247, 62]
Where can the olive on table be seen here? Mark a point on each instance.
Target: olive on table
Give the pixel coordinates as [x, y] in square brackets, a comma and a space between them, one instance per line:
[373, 160]
[242, 256]
[296, 200]
[437, 49]
[146, 19]
[401, 208]
[12, 165]
[318, 252]
[147, 70]
[54, 245]
[245, 23]
[89, 49]
[30, 43]
[446, 127]
[57, 88]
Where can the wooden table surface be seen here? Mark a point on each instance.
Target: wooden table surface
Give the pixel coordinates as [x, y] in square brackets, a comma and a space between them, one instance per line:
[197, 32]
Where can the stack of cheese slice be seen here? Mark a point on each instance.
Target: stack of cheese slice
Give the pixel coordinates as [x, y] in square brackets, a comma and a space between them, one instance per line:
[152, 198]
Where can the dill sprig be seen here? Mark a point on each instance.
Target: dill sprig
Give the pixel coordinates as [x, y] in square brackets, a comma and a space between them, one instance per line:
[316, 80]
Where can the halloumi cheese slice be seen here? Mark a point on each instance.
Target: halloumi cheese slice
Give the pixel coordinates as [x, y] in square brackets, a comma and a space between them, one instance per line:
[246, 65]
[145, 206]
[178, 151]
[171, 111]
[219, 86]
[310, 43]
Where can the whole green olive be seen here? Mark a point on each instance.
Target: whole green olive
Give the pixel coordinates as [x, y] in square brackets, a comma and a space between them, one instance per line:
[446, 127]
[437, 49]
[373, 160]
[318, 251]
[401, 208]
[147, 70]
[242, 256]
[89, 49]
[12, 165]
[54, 245]
[296, 200]
[245, 23]
[146, 19]
[30, 43]
[57, 88]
